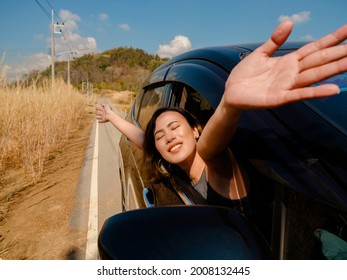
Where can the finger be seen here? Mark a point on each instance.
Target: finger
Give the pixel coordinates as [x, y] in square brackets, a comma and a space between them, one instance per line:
[98, 107]
[100, 119]
[101, 106]
[278, 37]
[323, 57]
[307, 93]
[320, 73]
[329, 40]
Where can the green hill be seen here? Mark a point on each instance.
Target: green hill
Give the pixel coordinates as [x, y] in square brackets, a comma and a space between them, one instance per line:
[122, 68]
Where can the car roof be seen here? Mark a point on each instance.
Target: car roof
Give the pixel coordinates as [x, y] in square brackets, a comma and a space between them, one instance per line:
[224, 56]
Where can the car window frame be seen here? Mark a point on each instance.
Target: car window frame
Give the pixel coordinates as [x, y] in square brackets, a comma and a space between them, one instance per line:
[175, 100]
[146, 90]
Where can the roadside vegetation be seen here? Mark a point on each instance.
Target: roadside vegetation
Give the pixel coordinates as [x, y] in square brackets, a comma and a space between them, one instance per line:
[36, 121]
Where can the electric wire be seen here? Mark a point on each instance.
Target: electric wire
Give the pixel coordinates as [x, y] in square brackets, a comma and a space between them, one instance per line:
[54, 12]
[43, 9]
[70, 46]
[63, 31]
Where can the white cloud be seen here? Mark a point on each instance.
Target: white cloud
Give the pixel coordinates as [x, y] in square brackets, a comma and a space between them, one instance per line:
[301, 17]
[124, 26]
[3, 73]
[308, 38]
[69, 40]
[103, 16]
[70, 19]
[39, 37]
[36, 61]
[76, 43]
[178, 45]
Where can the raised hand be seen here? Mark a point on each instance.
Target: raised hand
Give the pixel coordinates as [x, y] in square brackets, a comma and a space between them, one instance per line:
[262, 81]
[103, 113]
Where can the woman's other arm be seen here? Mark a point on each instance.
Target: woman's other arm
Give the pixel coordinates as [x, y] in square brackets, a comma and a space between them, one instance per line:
[135, 134]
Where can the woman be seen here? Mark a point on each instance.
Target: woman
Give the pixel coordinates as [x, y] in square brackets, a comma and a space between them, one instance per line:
[171, 139]
[259, 81]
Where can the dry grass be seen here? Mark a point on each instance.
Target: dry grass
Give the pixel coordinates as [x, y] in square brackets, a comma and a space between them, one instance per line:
[123, 100]
[35, 122]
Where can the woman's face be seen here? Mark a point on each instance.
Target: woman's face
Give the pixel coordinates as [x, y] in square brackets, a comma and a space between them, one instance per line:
[174, 138]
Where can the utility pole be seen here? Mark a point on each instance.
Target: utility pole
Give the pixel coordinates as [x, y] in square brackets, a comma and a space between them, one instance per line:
[52, 51]
[68, 71]
[69, 53]
[53, 47]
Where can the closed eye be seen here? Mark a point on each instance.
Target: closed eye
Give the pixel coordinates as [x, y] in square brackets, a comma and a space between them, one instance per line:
[159, 136]
[175, 125]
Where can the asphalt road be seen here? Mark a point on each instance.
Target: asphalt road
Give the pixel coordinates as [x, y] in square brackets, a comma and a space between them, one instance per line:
[98, 193]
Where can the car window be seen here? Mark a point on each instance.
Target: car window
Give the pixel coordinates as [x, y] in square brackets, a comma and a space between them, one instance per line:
[152, 100]
[136, 105]
[186, 97]
[333, 108]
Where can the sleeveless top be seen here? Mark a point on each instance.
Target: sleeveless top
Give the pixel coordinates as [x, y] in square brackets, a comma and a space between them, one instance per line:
[214, 198]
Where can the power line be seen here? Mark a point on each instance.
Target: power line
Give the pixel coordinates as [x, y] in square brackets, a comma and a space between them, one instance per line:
[68, 40]
[68, 35]
[54, 12]
[43, 9]
[64, 32]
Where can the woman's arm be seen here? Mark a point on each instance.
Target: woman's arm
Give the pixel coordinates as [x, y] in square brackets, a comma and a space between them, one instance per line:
[135, 134]
[263, 81]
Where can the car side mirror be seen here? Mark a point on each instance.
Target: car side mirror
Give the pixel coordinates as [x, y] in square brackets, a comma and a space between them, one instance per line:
[181, 232]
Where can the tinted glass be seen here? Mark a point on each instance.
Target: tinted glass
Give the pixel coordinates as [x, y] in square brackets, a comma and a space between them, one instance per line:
[151, 101]
[333, 109]
[186, 97]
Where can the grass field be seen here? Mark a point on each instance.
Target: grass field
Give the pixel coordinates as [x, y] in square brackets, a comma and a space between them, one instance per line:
[36, 121]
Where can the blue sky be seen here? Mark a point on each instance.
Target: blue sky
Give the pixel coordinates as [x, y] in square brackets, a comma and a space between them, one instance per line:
[159, 27]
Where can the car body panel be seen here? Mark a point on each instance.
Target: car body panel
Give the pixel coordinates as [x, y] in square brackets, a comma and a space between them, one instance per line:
[176, 232]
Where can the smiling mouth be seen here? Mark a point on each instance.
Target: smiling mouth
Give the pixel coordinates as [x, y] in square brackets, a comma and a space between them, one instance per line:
[174, 148]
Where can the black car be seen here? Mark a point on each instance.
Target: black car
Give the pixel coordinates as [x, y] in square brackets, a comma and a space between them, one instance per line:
[294, 158]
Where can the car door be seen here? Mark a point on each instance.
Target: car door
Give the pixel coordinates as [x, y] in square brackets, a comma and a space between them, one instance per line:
[138, 188]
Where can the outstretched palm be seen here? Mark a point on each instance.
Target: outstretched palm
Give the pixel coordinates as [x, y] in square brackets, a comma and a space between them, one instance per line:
[262, 81]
